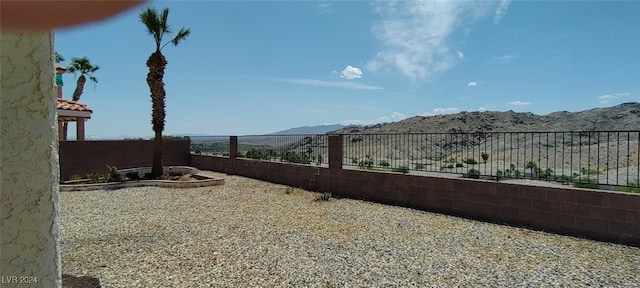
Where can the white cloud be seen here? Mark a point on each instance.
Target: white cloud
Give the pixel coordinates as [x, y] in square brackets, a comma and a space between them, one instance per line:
[501, 10]
[604, 99]
[518, 103]
[460, 55]
[396, 116]
[502, 59]
[472, 83]
[440, 111]
[482, 109]
[415, 34]
[324, 7]
[351, 73]
[321, 83]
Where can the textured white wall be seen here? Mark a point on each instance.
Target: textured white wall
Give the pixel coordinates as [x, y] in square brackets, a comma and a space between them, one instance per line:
[29, 161]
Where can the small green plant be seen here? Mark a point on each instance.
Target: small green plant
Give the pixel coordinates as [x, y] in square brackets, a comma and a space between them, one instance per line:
[485, 157]
[75, 177]
[450, 166]
[402, 169]
[354, 160]
[499, 175]
[473, 173]
[470, 161]
[384, 163]
[319, 159]
[367, 163]
[419, 166]
[458, 165]
[94, 177]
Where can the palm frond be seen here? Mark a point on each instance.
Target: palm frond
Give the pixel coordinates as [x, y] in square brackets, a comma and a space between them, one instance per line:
[182, 34]
[164, 21]
[59, 58]
[155, 26]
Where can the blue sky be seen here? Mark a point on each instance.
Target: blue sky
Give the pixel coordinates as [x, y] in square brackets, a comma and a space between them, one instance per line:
[255, 67]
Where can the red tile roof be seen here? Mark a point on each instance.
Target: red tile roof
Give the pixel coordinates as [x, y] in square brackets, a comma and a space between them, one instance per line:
[70, 110]
[69, 105]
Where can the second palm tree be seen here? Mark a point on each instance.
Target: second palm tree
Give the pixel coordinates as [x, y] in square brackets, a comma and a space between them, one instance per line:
[157, 26]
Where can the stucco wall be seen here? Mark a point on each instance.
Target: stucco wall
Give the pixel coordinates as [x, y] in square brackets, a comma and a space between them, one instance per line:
[29, 163]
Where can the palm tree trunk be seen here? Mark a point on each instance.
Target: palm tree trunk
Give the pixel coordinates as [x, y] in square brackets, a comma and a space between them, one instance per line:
[79, 88]
[156, 166]
[156, 64]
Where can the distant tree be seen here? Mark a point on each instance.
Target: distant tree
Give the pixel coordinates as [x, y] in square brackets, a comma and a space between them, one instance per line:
[157, 26]
[86, 69]
[59, 58]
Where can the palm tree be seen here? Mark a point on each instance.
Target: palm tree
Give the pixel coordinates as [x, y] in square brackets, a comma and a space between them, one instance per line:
[157, 26]
[59, 58]
[86, 69]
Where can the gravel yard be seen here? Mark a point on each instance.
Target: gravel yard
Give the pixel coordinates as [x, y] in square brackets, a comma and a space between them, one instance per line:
[249, 233]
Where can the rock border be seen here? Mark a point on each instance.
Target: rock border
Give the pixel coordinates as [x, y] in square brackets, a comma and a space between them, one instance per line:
[200, 180]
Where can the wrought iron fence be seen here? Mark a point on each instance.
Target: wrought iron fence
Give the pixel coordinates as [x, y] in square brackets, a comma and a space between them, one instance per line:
[585, 158]
[302, 149]
[210, 145]
[588, 158]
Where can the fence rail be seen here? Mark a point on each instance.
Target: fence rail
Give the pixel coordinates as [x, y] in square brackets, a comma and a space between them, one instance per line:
[586, 158]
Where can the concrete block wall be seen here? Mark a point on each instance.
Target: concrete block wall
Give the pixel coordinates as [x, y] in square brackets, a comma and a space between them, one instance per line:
[83, 157]
[600, 215]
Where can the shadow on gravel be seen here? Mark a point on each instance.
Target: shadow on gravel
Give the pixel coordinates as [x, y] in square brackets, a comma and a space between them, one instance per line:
[70, 281]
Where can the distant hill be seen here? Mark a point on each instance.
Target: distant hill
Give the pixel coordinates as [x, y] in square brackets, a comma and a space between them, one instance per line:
[319, 129]
[625, 116]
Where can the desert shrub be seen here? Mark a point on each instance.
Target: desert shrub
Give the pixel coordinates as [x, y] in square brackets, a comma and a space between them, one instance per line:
[632, 187]
[485, 157]
[402, 169]
[174, 137]
[545, 174]
[367, 163]
[294, 157]
[589, 170]
[419, 166]
[587, 183]
[458, 165]
[324, 196]
[112, 174]
[562, 178]
[473, 173]
[470, 161]
[384, 163]
[254, 154]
